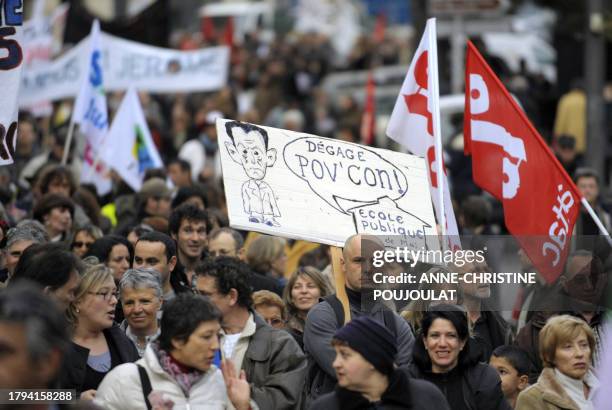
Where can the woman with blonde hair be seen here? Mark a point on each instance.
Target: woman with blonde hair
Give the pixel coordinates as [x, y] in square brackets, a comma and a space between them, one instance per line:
[98, 344]
[304, 289]
[567, 382]
[266, 256]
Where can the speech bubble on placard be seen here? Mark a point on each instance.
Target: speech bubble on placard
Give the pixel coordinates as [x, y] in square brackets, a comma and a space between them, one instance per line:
[340, 171]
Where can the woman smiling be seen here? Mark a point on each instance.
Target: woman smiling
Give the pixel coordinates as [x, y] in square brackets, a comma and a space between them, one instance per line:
[445, 357]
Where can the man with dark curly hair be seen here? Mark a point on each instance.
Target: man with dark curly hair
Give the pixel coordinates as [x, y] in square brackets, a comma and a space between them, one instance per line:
[274, 364]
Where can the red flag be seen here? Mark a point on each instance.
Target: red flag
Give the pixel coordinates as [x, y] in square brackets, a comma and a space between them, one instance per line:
[380, 28]
[228, 33]
[368, 120]
[208, 29]
[513, 163]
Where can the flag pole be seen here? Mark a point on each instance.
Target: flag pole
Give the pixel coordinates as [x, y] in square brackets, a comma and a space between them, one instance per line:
[591, 211]
[435, 94]
[68, 142]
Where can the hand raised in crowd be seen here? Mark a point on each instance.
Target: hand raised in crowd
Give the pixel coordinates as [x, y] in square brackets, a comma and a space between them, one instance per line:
[238, 389]
[88, 395]
[158, 402]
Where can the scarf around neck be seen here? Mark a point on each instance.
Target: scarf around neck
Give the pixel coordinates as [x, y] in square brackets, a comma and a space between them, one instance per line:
[185, 376]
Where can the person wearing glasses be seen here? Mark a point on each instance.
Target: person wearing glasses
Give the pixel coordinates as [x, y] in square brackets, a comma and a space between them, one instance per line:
[84, 237]
[98, 345]
[270, 307]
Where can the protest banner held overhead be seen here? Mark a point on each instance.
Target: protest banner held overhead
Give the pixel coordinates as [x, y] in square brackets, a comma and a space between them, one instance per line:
[128, 63]
[307, 187]
[11, 59]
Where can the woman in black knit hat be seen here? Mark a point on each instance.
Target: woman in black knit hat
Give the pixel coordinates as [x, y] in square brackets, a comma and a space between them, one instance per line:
[367, 376]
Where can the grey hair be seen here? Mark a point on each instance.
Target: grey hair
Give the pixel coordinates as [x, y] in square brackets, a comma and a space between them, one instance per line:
[27, 230]
[143, 278]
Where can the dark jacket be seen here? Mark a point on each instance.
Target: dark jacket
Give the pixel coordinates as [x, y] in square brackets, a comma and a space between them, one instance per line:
[490, 332]
[275, 367]
[72, 375]
[403, 393]
[480, 383]
[322, 323]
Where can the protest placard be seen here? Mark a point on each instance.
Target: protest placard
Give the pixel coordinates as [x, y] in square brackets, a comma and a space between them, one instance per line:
[11, 58]
[127, 63]
[322, 190]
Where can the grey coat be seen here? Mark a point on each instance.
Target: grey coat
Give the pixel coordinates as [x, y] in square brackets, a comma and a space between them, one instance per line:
[275, 367]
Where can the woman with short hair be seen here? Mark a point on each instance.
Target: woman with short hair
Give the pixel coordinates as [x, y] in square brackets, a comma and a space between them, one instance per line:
[55, 212]
[114, 251]
[178, 366]
[567, 381]
[446, 357]
[141, 296]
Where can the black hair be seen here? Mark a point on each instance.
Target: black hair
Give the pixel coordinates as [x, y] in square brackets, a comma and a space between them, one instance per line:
[50, 201]
[102, 248]
[246, 127]
[183, 164]
[229, 273]
[477, 210]
[458, 317]
[186, 192]
[48, 264]
[53, 172]
[189, 212]
[45, 325]
[182, 316]
[586, 172]
[155, 236]
[516, 356]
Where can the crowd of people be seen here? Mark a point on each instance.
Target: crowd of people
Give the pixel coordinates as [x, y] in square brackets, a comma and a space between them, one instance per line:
[150, 300]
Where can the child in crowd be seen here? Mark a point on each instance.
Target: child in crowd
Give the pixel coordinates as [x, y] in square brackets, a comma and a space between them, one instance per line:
[512, 364]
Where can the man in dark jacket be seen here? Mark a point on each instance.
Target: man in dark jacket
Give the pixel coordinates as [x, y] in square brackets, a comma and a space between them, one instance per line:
[274, 364]
[367, 377]
[489, 327]
[322, 322]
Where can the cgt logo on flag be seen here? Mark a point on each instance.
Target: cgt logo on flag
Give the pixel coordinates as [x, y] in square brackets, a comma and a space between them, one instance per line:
[489, 132]
[512, 163]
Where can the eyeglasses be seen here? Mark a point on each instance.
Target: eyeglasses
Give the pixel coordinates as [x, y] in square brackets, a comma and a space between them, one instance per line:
[79, 244]
[107, 295]
[275, 322]
[197, 291]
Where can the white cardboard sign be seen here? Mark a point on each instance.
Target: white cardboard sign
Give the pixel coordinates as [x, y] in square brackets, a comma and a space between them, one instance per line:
[322, 190]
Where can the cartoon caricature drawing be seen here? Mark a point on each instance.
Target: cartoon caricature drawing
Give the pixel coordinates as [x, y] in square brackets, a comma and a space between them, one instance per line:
[249, 148]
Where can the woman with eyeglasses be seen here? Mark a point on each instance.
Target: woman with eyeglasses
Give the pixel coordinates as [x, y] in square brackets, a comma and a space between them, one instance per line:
[270, 307]
[98, 345]
[83, 238]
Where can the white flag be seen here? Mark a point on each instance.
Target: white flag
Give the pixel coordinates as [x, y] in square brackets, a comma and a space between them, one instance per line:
[415, 123]
[91, 113]
[11, 57]
[128, 147]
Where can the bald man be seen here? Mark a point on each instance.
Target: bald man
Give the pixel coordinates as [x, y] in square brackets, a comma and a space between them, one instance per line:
[326, 317]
